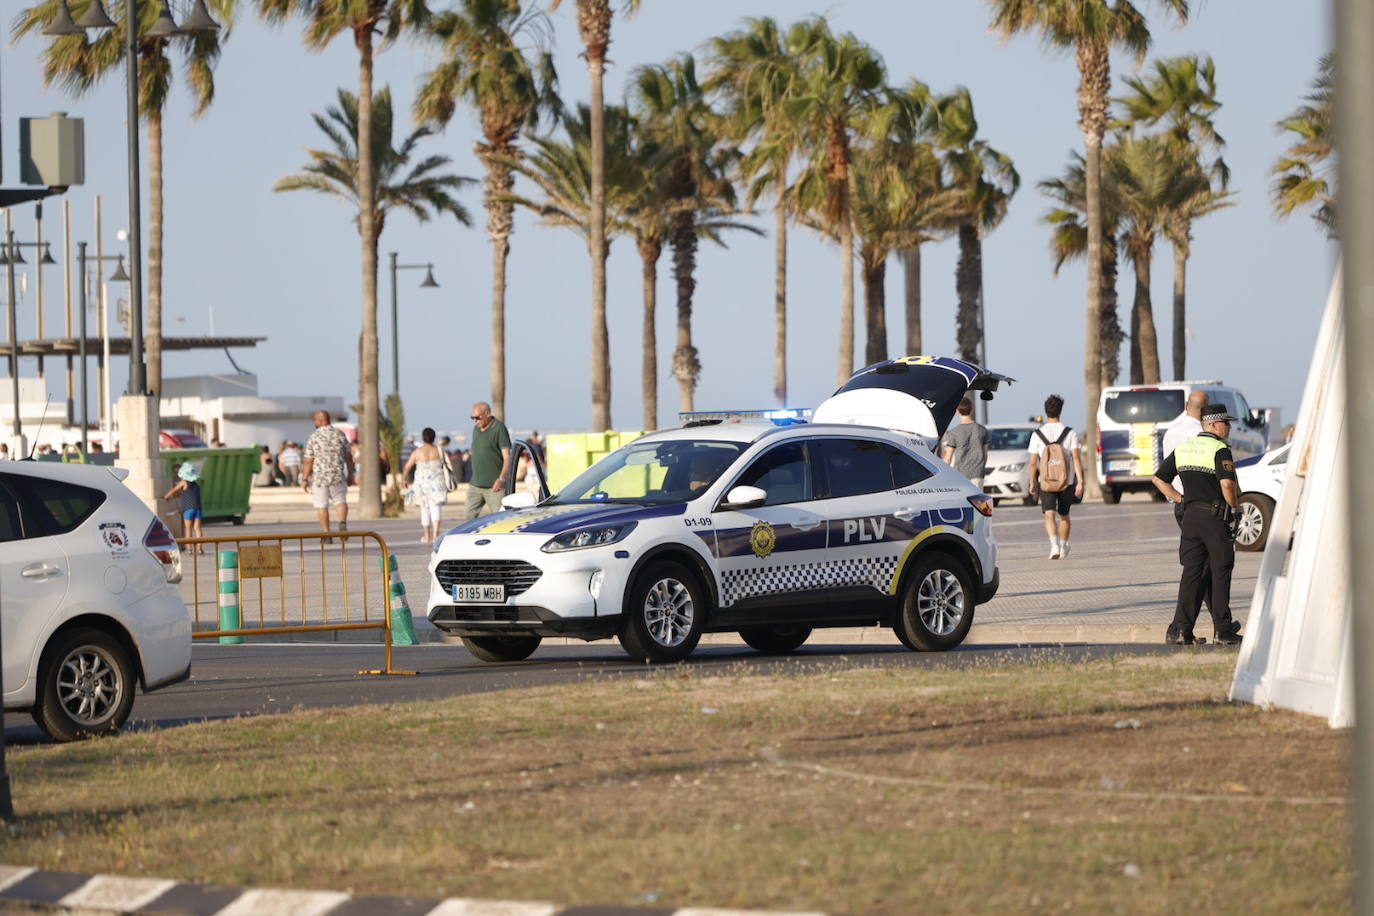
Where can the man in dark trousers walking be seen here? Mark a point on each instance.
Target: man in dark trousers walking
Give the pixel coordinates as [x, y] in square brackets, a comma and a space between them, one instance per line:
[1207, 546]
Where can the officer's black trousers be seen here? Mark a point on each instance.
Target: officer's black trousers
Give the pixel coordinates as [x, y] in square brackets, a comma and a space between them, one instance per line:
[1207, 553]
[1205, 582]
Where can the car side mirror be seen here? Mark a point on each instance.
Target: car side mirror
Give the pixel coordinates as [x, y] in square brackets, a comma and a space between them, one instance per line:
[522, 500]
[744, 498]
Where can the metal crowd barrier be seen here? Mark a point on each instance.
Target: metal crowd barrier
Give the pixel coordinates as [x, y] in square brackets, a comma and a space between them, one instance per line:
[269, 584]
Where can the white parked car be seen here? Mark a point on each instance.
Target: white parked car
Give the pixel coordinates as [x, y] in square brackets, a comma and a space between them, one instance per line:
[765, 530]
[88, 597]
[1261, 481]
[1007, 474]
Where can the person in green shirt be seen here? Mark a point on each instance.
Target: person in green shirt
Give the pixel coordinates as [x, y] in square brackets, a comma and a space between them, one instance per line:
[490, 459]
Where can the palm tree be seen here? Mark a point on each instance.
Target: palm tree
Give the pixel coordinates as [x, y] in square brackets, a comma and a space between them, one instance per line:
[1069, 241]
[594, 26]
[676, 116]
[1182, 93]
[400, 183]
[1304, 176]
[80, 64]
[364, 20]
[984, 181]
[756, 73]
[1091, 28]
[841, 92]
[511, 88]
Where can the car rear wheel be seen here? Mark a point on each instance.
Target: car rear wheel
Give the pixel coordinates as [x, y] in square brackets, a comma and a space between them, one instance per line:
[664, 612]
[86, 686]
[1256, 514]
[937, 605]
[502, 648]
[776, 640]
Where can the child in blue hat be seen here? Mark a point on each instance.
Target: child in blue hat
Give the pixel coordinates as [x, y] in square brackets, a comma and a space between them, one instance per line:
[189, 488]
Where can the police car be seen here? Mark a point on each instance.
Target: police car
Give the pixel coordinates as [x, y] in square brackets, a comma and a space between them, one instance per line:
[736, 523]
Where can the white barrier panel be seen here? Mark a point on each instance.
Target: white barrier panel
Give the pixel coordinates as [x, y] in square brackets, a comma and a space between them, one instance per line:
[1297, 652]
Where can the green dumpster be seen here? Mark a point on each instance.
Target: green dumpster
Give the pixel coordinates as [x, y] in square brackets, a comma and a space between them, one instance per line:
[226, 477]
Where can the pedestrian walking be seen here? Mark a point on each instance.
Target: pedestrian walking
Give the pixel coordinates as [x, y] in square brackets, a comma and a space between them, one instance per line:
[1056, 475]
[327, 471]
[1206, 547]
[490, 460]
[966, 445]
[431, 484]
[188, 486]
[289, 460]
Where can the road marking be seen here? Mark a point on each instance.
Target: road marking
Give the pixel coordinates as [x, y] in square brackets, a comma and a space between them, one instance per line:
[115, 893]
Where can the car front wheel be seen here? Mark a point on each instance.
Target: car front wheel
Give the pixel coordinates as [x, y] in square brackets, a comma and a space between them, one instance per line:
[1256, 514]
[86, 686]
[502, 648]
[937, 605]
[664, 612]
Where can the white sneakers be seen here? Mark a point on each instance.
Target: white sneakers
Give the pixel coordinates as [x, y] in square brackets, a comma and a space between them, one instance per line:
[1064, 551]
[1058, 550]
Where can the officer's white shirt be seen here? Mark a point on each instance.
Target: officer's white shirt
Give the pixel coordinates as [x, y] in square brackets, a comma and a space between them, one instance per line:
[1179, 432]
[1070, 443]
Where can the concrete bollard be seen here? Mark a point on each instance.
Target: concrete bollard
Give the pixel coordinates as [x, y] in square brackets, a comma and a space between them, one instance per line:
[402, 627]
[230, 617]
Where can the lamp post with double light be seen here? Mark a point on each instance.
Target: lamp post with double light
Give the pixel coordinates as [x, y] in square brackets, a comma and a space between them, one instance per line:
[427, 283]
[11, 255]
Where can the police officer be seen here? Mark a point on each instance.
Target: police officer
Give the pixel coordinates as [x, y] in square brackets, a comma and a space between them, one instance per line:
[1210, 498]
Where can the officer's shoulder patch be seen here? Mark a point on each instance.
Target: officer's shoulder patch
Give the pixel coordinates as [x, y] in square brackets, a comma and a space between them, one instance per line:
[1228, 465]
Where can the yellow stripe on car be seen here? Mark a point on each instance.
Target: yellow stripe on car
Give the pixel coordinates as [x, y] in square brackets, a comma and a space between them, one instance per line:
[906, 554]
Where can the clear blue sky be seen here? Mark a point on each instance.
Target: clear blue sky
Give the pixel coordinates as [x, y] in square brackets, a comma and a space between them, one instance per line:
[286, 265]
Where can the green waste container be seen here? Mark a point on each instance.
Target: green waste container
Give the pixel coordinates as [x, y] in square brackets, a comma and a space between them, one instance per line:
[226, 478]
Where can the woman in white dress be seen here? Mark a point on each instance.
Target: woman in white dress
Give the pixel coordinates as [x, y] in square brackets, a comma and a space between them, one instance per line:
[431, 485]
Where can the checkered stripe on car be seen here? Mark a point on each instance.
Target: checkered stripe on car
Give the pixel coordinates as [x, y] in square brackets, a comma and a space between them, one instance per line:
[738, 584]
[874, 571]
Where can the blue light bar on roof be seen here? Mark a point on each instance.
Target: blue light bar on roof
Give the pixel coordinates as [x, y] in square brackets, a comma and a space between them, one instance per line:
[778, 416]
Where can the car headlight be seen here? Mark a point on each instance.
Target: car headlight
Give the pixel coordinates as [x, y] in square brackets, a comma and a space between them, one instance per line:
[1012, 468]
[597, 536]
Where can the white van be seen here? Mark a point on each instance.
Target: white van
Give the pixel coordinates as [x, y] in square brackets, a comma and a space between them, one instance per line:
[1132, 420]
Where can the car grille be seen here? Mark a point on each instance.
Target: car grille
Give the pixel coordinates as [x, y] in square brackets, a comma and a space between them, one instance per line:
[516, 575]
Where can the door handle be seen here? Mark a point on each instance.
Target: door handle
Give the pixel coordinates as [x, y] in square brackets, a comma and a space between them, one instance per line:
[40, 571]
[905, 515]
[806, 526]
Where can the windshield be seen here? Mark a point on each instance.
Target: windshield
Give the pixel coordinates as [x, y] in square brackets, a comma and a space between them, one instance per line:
[1009, 439]
[1154, 405]
[653, 472]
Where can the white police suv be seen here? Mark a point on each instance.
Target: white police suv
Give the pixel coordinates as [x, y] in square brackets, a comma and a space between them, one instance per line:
[726, 525]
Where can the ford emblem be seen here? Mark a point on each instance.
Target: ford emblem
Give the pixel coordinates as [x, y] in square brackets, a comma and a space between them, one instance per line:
[483, 542]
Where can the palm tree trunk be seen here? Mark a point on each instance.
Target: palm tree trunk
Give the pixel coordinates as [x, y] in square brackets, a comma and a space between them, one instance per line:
[369, 424]
[875, 308]
[497, 185]
[1137, 373]
[1109, 325]
[1145, 320]
[846, 363]
[153, 342]
[1094, 67]
[601, 345]
[911, 268]
[780, 300]
[967, 275]
[649, 252]
[1180, 311]
[686, 365]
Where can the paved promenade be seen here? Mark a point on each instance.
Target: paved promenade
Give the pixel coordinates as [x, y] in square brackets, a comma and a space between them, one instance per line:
[1119, 584]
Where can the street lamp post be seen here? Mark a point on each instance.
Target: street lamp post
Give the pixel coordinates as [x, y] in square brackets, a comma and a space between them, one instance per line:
[118, 276]
[427, 283]
[10, 257]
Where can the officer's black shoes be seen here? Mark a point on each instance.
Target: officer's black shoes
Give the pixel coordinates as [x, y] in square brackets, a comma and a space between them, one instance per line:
[1176, 637]
[1230, 637]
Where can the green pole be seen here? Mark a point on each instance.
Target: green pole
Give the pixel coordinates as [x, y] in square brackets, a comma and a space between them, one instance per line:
[229, 616]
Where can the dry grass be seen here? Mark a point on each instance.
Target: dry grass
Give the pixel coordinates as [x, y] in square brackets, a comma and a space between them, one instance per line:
[846, 789]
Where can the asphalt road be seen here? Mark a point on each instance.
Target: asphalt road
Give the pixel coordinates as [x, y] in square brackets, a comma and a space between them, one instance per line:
[1124, 570]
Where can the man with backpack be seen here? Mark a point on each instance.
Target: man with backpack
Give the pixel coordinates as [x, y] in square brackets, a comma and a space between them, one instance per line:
[1056, 474]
